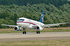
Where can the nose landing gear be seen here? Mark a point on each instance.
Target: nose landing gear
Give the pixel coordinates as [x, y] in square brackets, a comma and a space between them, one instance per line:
[24, 31]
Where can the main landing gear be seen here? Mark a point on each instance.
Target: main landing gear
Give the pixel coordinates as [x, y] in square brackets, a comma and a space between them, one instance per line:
[38, 32]
[24, 31]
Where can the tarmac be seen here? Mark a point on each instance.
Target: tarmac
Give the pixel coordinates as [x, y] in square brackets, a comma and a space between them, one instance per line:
[34, 36]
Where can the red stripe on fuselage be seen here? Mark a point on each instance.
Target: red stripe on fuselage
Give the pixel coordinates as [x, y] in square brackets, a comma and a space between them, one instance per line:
[26, 22]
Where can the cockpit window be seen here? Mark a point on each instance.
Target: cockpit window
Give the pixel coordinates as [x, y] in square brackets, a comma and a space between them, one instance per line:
[20, 20]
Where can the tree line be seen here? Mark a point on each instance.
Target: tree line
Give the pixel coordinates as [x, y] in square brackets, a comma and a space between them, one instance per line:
[56, 11]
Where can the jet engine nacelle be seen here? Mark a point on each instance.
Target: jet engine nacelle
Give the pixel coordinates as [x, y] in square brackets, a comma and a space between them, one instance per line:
[17, 28]
[38, 27]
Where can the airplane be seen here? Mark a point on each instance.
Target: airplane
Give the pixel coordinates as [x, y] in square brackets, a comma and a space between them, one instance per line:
[24, 23]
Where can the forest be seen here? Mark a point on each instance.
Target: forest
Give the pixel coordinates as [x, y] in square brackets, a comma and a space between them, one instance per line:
[56, 11]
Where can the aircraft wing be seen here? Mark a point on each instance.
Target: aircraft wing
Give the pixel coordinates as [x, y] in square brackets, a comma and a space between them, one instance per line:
[9, 25]
[52, 25]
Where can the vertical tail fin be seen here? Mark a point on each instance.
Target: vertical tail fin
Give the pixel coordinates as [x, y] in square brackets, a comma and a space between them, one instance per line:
[42, 16]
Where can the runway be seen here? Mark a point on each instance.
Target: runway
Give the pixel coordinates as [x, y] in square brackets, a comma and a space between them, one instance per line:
[34, 36]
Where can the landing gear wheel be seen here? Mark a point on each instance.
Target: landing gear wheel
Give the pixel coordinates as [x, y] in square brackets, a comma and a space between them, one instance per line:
[24, 32]
[38, 32]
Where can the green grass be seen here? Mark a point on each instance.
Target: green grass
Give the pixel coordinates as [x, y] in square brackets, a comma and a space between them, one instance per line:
[45, 30]
[57, 30]
[10, 31]
[37, 43]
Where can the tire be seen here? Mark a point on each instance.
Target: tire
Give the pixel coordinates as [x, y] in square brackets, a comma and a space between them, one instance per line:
[38, 32]
[24, 32]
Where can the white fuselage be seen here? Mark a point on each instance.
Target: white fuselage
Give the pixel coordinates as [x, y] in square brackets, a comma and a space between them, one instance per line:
[28, 23]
